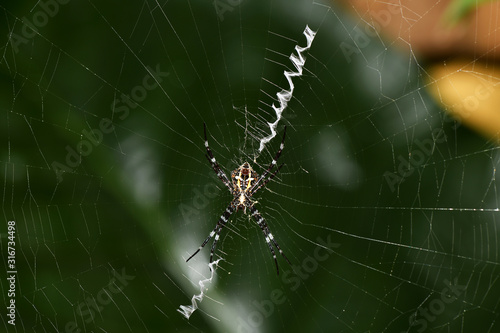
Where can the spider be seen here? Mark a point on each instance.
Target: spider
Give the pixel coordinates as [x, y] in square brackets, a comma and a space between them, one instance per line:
[245, 182]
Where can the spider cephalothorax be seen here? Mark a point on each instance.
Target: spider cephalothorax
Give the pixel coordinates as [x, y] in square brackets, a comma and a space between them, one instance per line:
[243, 185]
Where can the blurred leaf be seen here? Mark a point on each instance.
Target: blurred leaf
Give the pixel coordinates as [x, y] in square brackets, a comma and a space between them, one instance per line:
[458, 9]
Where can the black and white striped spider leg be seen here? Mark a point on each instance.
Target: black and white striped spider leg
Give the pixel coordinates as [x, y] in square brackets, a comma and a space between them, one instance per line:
[257, 185]
[268, 235]
[216, 232]
[213, 162]
[245, 182]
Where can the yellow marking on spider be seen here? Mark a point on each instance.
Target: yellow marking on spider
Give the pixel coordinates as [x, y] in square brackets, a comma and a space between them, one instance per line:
[249, 184]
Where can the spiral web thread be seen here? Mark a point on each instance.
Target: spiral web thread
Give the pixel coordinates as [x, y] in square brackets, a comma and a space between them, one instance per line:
[285, 95]
[187, 310]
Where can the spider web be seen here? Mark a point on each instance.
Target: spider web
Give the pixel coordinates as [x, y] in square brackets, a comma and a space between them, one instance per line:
[386, 207]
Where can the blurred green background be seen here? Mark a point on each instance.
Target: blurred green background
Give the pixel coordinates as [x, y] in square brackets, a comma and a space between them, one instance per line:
[101, 247]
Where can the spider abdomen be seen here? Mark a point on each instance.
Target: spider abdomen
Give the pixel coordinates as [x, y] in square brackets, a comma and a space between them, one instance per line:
[243, 178]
